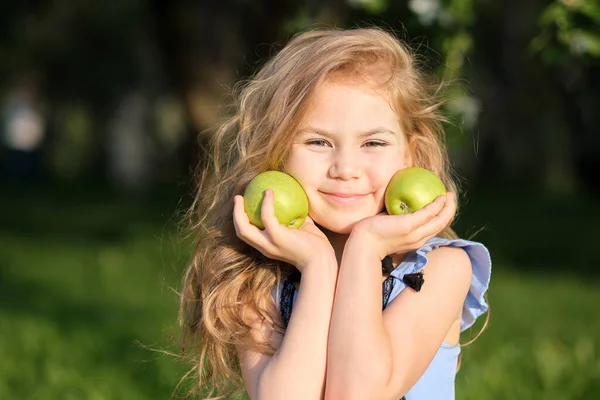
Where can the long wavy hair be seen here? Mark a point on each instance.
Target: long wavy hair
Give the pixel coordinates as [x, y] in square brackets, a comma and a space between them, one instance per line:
[228, 278]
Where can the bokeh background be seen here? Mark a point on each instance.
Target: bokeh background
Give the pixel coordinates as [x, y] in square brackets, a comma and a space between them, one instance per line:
[101, 109]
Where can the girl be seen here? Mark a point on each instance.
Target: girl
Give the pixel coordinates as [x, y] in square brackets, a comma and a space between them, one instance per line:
[298, 313]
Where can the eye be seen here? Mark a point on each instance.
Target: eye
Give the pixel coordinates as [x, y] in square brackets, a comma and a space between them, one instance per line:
[375, 143]
[318, 143]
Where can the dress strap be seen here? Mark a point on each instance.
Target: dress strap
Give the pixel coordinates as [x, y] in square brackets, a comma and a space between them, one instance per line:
[286, 301]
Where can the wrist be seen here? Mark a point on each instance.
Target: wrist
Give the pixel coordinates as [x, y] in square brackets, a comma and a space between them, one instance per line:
[323, 261]
[366, 242]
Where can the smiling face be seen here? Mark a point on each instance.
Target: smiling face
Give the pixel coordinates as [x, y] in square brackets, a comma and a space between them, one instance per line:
[348, 146]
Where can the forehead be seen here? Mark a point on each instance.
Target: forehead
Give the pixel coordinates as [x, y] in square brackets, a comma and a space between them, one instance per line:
[350, 105]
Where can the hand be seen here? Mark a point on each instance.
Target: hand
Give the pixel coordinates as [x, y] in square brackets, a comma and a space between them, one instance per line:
[294, 246]
[393, 234]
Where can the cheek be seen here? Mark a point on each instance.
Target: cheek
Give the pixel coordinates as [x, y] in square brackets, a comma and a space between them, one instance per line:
[301, 167]
[382, 171]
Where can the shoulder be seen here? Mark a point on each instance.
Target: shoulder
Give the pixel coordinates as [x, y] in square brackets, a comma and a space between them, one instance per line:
[458, 259]
[453, 269]
[459, 265]
[448, 258]
[262, 320]
[257, 317]
[449, 267]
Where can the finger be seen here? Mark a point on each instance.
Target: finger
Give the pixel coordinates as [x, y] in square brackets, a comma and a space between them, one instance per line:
[449, 211]
[444, 218]
[309, 225]
[267, 212]
[439, 222]
[428, 212]
[241, 222]
[239, 214]
[308, 221]
[244, 230]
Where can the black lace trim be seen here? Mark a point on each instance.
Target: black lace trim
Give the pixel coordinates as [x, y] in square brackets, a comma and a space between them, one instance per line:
[286, 301]
[388, 286]
[414, 281]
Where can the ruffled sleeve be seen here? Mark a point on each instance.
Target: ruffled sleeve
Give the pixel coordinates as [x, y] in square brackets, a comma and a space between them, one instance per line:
[475, 305]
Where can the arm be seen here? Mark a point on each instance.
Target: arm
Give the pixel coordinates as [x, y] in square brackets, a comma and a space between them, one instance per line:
[382, 356]
[297, 369]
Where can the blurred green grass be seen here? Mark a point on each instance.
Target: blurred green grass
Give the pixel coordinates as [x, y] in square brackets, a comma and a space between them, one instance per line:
[86, 284]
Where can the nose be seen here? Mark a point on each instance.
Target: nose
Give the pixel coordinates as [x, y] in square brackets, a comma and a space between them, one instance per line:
[344, 165]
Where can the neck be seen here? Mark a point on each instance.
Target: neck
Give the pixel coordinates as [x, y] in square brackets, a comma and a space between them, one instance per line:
[338, 242]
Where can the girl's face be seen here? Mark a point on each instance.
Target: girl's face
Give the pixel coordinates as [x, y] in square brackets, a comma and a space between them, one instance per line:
[347, 147]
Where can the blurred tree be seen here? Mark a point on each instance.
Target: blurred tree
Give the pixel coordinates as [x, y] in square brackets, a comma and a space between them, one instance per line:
[87, 53]
[516, 100]
[525, 74]
[568, 45]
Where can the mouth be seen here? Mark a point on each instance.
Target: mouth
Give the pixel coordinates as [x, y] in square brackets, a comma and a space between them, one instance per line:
[344, 198]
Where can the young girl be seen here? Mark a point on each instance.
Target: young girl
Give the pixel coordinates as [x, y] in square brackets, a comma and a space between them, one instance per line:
[298, 313]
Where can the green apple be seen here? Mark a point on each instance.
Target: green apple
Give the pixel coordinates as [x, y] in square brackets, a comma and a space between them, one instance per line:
[290, 200]
[411, 189]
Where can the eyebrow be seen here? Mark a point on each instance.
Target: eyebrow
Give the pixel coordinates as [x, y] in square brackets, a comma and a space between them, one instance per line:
[368, 133]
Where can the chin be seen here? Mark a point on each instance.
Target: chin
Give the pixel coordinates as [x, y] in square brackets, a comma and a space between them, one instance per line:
[339, 227]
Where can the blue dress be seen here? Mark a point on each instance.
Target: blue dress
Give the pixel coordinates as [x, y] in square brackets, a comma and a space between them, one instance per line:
[437, 382]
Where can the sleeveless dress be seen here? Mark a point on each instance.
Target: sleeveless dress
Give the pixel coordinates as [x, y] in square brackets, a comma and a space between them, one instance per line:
[437, 382]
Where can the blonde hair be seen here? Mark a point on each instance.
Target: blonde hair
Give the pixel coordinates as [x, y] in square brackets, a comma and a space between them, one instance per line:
[227, 278]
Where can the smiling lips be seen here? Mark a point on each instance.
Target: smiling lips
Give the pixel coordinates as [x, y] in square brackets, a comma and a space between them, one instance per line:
[344, 198]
